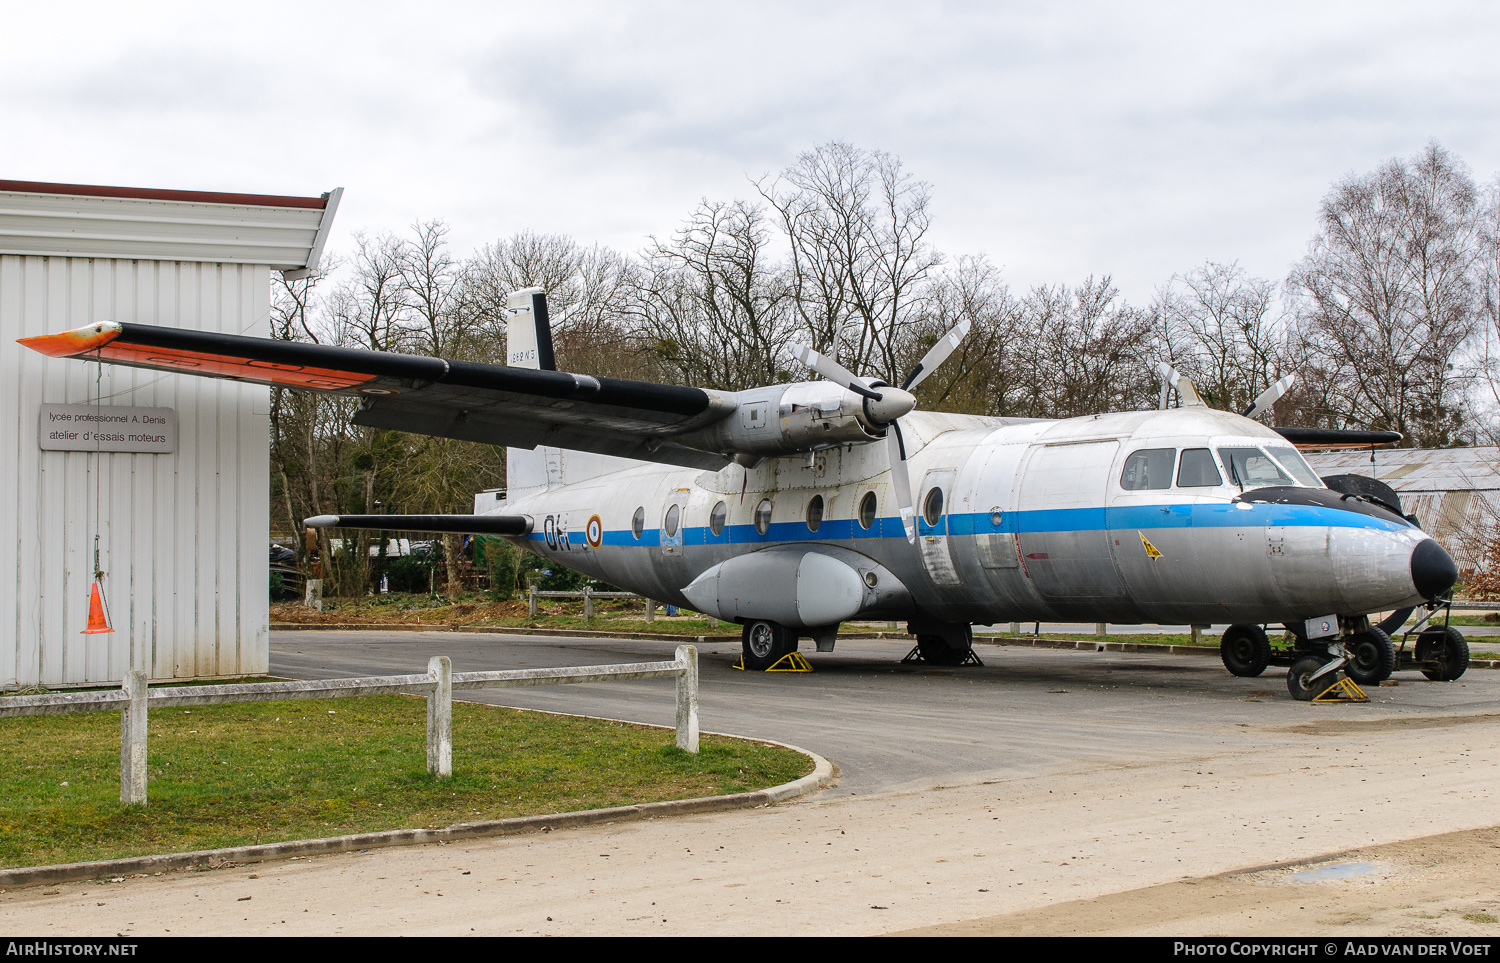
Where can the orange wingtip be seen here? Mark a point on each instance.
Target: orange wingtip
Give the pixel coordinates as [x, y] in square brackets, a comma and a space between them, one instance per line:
[72, 343]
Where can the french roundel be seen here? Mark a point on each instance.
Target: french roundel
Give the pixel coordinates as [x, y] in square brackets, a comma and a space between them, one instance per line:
[594, 532]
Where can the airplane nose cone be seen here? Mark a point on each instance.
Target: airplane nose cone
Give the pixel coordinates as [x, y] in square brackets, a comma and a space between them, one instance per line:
[1432, 569]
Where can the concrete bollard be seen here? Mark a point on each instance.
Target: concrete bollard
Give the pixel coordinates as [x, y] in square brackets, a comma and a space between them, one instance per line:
[1099, 628]
[651, 610]
[687, 700]
[1198, 634]
[588, 603]
[133, 740]
[1015, 628]
[313, 598]
[531, 599]
[440, 717]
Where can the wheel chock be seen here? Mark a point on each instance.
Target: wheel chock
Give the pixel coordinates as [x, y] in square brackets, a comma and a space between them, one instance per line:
[1343, 690]
[791, 662]
[914, 657]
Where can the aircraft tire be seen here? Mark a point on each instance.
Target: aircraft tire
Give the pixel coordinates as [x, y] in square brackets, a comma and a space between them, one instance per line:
[1246, 650]
[764, 643]
[1300, 684]
[1372, 658]
[935, 650]
[1448, 648]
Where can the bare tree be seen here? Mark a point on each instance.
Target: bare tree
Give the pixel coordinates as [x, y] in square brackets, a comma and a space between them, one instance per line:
[1087, 352]
[983, 375]
[857, 225]
[428, 281]
[711, 307]
[1389, 293]
[1218, 328]
[589, 293]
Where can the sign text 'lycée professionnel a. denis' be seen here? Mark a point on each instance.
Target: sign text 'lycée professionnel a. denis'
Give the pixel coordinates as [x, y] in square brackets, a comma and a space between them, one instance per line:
[107, 428]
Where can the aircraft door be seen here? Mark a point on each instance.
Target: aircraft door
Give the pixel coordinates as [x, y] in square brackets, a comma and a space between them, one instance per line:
[1150, 527]
[935, 499]
[992, 509]
[1064, 541]
[672, 565]
[673, 520]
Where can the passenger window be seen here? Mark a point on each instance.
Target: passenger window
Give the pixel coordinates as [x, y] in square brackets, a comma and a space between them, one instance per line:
[932, 507]
[815, 513]
[1148, 470]
[670, 524]
[763, 516]
[867, 511]
[717, 518]
[638, 522]
[1198, 469]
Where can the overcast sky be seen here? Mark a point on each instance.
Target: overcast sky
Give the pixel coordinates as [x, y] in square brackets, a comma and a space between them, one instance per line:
[1060, 140]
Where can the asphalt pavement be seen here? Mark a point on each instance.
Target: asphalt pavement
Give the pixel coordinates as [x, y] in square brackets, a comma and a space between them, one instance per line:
[891, 726]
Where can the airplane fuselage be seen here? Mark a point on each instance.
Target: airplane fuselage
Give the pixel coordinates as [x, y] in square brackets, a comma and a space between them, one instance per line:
[1138, 517]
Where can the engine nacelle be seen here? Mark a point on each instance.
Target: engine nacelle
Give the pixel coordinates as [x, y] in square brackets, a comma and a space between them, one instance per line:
[783, 419]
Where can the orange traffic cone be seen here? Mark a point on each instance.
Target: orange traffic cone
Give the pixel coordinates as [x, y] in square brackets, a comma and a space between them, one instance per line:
[97, 622]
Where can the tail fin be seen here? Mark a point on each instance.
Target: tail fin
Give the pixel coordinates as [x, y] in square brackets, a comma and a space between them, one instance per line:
[529, 334]
[529, 345]
[528, 338]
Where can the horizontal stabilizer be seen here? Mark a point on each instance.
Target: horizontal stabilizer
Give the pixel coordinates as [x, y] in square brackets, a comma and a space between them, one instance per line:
[465, 524]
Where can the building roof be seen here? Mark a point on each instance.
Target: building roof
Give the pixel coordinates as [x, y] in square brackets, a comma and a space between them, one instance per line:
[132, 223]
[1419, 469]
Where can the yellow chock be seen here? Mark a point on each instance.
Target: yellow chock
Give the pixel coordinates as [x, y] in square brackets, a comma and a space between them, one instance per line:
[791, 662]
[1343, 690]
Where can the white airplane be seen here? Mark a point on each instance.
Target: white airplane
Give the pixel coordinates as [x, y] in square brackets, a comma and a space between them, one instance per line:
[793, 508]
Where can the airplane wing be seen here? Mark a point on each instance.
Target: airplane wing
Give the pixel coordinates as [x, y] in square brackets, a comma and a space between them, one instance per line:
[486, 403]
[1310, 438]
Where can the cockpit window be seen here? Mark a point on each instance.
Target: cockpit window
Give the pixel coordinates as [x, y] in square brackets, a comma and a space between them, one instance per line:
[1253, 468]
[1198, 469]
[1148, 470]
[1292, 461]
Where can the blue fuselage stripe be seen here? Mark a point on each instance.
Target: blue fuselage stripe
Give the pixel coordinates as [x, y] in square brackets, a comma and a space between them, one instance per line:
[1209, 515]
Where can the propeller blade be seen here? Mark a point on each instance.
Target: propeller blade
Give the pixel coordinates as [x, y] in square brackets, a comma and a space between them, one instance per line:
[1184, 385]
[832, 370]
[1269, 396]
[895, 448]
[936, 355]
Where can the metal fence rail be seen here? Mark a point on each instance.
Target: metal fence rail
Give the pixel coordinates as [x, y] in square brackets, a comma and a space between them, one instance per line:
[134, 700]
[588, 595]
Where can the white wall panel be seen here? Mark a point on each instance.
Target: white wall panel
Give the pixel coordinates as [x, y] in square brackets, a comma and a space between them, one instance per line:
[182, 535]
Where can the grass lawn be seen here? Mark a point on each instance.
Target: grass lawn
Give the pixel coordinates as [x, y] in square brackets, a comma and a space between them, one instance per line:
[610, 615]
[250, 773]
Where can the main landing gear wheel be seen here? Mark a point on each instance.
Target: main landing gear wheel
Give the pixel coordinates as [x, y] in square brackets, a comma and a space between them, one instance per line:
[1372, 658]
[935, 650]
[1301, 684]
[764, 643]
[1447, 648]
[1245, 650]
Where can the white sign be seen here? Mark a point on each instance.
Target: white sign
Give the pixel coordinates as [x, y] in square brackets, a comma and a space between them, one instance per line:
[107, 428]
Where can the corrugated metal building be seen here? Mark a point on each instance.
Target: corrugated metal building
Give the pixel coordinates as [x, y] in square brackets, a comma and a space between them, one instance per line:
[182, 536]
[1454, 492]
